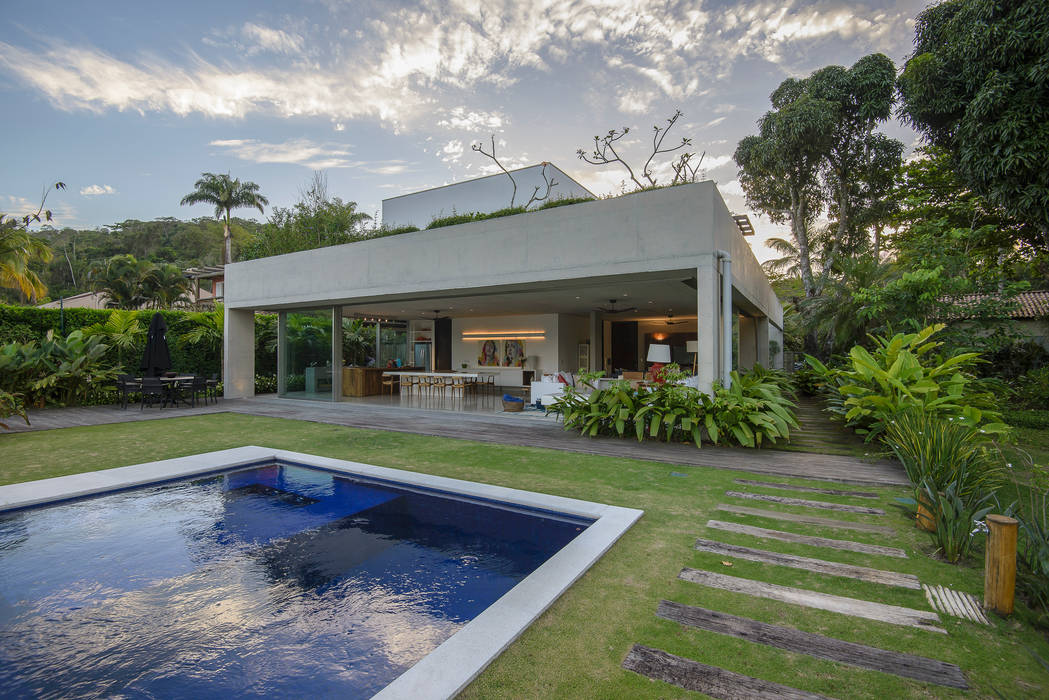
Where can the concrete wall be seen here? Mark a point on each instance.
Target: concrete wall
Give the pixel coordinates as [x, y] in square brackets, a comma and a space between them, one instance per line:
[484, 194]
[676, 228]
[571, 331]
[468, 350]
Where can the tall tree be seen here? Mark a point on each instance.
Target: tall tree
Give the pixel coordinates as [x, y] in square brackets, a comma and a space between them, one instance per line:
[123, 280]
[226, 194]
[977, 85]
[165, 286]
[779, 168]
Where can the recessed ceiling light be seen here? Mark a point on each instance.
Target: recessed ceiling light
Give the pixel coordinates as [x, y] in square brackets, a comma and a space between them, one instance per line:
[651, 302]
[624, 294]
[579, 297]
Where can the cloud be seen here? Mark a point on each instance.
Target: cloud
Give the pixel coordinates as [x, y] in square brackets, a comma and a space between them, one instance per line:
[452, 151]
[95, 190]
[713, 122]
[463, 119]
[268, 39]
[302, 152]
[402, 63]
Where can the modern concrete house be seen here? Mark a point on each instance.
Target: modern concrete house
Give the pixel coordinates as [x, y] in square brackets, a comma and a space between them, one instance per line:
[588, 285]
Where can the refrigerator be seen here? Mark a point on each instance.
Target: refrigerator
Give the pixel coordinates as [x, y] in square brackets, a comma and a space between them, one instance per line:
[422, 356]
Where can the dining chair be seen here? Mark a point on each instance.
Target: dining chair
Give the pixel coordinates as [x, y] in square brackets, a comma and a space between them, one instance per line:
[391, 381]
[213, 388]
[152, 390]
[198, 386]
[126, 385]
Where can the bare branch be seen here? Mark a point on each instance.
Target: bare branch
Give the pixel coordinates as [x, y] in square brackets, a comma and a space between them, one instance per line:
[684, 170]
[657, 141]
[480, 149]
[30, 218]
[603, 145]
[550, 183]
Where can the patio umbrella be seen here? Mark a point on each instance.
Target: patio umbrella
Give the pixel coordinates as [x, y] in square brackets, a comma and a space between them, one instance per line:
[157, 358]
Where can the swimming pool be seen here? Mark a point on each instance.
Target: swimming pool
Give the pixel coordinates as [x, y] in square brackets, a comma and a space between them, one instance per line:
[260, 572]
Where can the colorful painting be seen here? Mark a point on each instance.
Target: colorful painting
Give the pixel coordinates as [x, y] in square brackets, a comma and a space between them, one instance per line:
[513, 353]
[489, 356]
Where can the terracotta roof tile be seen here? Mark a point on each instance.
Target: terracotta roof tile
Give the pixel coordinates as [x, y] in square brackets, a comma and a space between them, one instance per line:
[1027, 304]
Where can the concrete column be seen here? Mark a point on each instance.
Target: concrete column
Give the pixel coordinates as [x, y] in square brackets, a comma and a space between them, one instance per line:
[282, 353]
[708, 332]
[336, 353]
[597, 344]
[748, 349]
[238, 354]
[761, 339]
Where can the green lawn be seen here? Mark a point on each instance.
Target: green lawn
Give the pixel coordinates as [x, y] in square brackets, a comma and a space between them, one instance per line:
[576, 648]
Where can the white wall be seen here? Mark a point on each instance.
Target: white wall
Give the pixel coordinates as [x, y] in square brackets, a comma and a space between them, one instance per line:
[484, 194]
[571, 331]
[468, 350]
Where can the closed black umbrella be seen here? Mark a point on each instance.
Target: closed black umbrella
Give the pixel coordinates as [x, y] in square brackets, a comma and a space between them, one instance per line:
[157, 358]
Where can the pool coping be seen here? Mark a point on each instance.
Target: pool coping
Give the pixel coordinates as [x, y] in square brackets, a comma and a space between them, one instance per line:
[459, 659]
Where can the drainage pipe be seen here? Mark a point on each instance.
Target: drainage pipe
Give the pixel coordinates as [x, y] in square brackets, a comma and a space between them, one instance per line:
[726, 317]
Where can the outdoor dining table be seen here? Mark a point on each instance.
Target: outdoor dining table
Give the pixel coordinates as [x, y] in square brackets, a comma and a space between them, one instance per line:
[169, 383]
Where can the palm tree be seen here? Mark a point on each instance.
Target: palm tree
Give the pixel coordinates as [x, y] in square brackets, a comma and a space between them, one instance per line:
[19, 248]
[227, 194]
[121, 331]
[166, 286]
[122, 279]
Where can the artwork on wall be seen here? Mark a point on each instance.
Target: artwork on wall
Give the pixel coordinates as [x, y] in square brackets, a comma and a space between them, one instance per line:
[489, 355]
[513, 353]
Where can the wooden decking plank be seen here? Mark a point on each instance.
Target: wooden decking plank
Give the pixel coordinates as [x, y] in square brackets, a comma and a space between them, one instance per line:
[806, 489]
[806, 519]
[499, 428]
[824, 505]
[918, 668]
[847, 545]
[709, 680]
[860, 573]
[892, 614]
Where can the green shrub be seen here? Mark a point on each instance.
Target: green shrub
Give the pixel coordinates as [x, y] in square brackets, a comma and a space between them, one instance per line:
[957, 517]
[752, 412]
[11, 405]
[942, 452]
[265, 384]
[57, 371]
[551, 204]
[808, 382]
[1036, 419]
[904, 372]
[1031, 390]
[1033, 558]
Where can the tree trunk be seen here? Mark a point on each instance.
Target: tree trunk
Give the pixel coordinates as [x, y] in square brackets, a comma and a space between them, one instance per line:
[800, 232]
[227, 236]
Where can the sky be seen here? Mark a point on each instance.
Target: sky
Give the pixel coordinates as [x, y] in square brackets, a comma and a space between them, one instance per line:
[128, 103]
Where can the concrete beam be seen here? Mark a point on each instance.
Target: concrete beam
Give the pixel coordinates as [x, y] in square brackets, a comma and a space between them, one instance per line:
[238, 354]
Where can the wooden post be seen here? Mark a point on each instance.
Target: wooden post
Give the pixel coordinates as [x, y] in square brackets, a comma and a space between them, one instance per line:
[1000, 565]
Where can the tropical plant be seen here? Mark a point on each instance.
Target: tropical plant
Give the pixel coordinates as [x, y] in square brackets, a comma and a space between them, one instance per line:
[203, 329]
[904, 372]
[753, 410]
[19, 249]
[225, 194]
[58, 370]
[940, 452]
[1033, 517]
[165, 286]
[122, 279]
[121, 331]
[11, 405]
[957, 517]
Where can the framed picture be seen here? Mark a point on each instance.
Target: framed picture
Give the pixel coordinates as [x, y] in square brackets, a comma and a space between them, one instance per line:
[584, 357]
[513, 353]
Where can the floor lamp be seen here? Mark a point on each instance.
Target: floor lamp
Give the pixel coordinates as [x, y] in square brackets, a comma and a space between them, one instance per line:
[692, 346]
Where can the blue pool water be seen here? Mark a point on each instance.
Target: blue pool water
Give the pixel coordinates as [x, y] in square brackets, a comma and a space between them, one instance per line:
[276, 580]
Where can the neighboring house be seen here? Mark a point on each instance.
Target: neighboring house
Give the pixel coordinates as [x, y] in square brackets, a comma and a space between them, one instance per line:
[589, 285]
[211, 291]
[1029, 314]
[482, 194]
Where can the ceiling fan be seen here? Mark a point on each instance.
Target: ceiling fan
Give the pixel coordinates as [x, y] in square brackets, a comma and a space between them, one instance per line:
[670, 318]
[613, 309]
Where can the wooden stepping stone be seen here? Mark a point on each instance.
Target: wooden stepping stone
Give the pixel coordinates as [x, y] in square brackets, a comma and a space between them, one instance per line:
[806, 519]
[860, 573]
[807, 489]
[892, 614]
[803, 502]
[709, 680]
[918, 668]
[847, 545]
[956, 603]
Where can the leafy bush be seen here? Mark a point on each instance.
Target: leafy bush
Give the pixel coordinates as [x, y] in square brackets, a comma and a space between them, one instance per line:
[565, 201]
[752, 412]
[11, 405]
[1031, 390]
[904, 373]
[265, 384]
[1034, 550]
[808, 382]
[456, 219]
[60, 371]
[956, 515]
[941, 452]
[1036, 419]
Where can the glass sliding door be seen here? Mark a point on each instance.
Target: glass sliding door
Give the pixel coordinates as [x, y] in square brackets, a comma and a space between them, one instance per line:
[304, 354]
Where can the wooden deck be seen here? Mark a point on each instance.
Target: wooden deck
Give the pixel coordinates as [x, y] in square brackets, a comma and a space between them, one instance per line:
[528, 430]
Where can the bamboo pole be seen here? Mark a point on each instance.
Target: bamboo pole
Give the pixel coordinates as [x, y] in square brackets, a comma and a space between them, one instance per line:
[1000, 565]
